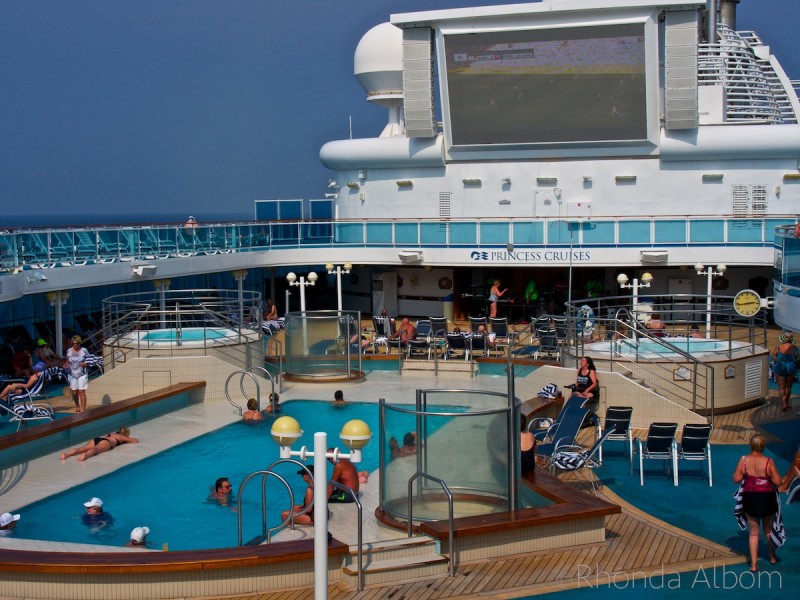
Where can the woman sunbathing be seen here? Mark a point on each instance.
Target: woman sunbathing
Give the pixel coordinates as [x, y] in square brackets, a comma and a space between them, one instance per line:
[19, 387]
[99, 445]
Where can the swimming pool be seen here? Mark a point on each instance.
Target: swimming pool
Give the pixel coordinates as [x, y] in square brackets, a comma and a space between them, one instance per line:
[189, 334]
[168, 492]
[697, 347]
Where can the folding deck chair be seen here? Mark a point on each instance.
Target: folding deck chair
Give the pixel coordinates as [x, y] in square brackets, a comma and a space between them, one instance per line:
[695, 445]
[660, 445]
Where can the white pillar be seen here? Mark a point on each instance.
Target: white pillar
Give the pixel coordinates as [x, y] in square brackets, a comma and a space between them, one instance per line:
[320, 514]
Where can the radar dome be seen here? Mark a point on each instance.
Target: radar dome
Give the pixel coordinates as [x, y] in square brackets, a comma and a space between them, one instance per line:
[378, 62]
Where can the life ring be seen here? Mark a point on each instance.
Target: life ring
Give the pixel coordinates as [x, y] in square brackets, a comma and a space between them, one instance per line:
[586, 322]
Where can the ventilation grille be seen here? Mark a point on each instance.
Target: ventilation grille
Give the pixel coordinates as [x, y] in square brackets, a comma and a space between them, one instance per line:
[752, 379]
[680, 80]
[444, 208]
[418, 98]
[749, 201]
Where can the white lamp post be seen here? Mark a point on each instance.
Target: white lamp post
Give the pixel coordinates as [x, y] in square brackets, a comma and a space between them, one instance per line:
[240, 275]
[302, 283]
[355, 434]
[635, 286]
[338, 271]
[710, 273]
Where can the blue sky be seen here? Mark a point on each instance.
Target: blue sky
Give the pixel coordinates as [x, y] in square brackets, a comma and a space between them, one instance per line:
[153, 107]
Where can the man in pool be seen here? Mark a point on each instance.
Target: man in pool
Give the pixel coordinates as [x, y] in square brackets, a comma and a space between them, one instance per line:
[94, 517]
[222, 492]
[138, 538]
[102, 444]
[344, 472]
[338, 398]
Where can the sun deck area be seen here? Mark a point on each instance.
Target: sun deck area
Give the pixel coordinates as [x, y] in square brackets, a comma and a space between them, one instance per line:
[633, 543]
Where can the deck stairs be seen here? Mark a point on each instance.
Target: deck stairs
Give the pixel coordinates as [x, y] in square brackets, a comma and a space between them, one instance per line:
[396, 560]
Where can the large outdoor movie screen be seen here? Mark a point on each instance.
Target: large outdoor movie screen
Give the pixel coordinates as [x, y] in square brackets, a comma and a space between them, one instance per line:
[547, 85]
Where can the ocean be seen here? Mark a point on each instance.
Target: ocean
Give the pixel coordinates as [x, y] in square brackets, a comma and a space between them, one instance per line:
[89, 219]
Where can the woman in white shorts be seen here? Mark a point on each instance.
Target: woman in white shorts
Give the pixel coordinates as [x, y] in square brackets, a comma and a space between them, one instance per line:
[77, 372]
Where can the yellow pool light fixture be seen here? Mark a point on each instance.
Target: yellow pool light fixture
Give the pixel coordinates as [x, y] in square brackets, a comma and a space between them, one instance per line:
[355, 434]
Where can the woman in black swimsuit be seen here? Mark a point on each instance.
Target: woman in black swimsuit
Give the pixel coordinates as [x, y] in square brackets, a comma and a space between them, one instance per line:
[586, 384]
[99, 445]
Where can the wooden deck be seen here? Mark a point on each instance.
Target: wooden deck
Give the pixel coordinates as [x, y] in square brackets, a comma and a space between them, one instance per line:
[636, 546]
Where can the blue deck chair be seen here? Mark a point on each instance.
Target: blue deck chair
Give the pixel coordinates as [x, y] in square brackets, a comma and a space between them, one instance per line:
[457, 345]
[618, 424]
[476, 322]
[660, 445]
[574, 458]
[569, 403]
[566, 431]
[695, 445]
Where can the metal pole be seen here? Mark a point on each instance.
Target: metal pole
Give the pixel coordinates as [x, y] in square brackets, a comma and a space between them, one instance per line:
[710, 274]
[569, 290]
[339, 288]
[302, 283]
[320, 515]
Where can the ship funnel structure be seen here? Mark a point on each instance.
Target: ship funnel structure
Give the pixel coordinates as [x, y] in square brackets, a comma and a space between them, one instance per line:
[727, 13]
[378, 66]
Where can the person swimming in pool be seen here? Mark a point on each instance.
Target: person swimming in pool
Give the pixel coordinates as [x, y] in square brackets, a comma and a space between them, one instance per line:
[222, 492]
[102, 444]
[252, 413]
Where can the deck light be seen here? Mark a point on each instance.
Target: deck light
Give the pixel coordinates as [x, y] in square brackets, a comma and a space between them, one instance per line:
[355, 434]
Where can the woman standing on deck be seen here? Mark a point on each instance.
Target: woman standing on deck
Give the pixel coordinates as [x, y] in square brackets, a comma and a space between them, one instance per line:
[78, 374]
[494, 295]
[759, 499]
[785, 358]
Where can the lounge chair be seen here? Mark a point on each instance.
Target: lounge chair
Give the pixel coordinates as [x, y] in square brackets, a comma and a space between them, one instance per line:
[563, 432]
[569, 403]
[695, 445]
[618, 424]
[660, 445]
[438, 326]
[476, 322]
[457, 345]
[384, 328]
[22, 414]
[573, 457]
[548, 344]
[37, 390]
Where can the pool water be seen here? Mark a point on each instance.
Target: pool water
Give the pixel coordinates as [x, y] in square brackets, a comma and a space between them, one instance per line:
[190, 334]
[169, 492]
[693, 346]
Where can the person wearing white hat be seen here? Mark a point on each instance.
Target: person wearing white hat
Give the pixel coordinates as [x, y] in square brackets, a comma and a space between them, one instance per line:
[7, 523]
[94, 517]
[138, 537]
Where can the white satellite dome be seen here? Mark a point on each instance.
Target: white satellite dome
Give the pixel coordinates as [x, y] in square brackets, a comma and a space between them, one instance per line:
[378, 62]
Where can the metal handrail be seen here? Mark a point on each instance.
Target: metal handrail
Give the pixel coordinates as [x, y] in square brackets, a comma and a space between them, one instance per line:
[268, 377]
[450, 519]
[242, 373]
[266, 473]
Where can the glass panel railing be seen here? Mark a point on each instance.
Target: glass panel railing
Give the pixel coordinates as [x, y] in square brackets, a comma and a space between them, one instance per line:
[62, 247]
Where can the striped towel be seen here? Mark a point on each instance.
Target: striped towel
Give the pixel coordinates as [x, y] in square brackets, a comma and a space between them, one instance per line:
[550, 391]
[777, 536]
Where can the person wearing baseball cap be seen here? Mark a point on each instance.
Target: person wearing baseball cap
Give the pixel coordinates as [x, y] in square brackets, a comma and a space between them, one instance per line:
[94, 517]
[138, 537]
[7, 523]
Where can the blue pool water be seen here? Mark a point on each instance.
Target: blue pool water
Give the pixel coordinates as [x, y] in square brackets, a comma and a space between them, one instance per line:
[694, 346]
[168, 492]
[190, 334]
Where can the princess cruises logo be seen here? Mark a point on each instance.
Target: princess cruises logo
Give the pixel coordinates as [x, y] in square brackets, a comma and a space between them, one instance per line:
[479, 256]
[557, 256]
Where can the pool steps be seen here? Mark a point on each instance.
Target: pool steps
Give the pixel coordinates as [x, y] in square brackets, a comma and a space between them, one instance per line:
[396, 560]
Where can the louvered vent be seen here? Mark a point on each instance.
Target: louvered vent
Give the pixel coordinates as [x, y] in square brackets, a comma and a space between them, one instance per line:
[740, 197]
[752, 379]
[418, 98]
[444, 209]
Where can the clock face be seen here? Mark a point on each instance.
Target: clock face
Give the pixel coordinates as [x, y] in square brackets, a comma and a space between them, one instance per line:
[747, 303]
